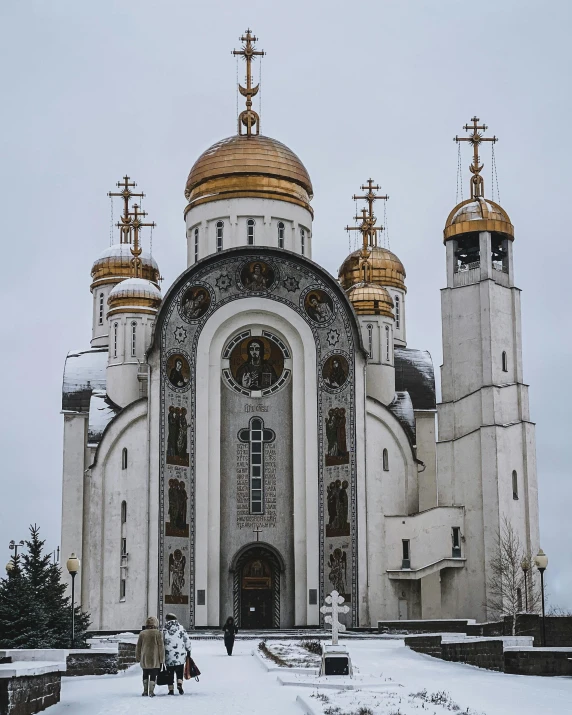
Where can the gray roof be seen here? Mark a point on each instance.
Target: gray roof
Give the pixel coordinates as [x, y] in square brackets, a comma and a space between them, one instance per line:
[84, 372]
[414, 373]
[402, 409]
[101, 411]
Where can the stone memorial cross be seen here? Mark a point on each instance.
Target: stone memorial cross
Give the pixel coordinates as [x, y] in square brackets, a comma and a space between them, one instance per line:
[334, 607]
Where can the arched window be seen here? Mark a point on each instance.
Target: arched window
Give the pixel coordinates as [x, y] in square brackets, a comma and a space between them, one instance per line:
[123, 512]
[115, 334]
[302, 241]
[124, 458]
[280, 234]
[397, 312]
[385, 460]
[370, 340]
[250, 232]
[504, 362]
[387, 343]
[101, 308]
[196, 244]
[133, 339]
[514, 484]
[219, 235]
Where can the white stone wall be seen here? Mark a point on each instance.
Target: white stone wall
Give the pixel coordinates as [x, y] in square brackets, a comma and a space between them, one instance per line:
[234, 213]
[126, 372]
[378, 338]
[399, 327]
[426, 453]
[100, 325]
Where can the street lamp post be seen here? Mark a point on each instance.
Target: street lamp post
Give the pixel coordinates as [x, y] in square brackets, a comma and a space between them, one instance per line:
[15, 546]
[525, 565]
[73, 567]
[541, 561]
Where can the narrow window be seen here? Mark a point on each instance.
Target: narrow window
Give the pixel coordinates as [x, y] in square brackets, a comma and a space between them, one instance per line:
[122, 589]
[101, 308]
[302, 241]
[196, 244]
[123, 547]
[123, 512]
[219, 233]
[514, 484]
[504, 362]
[280, 234]
[133, 339]
[370, 341]
[406, 561]
[385, 460]
[124, 458]
[250, 231]
[456, 538]
[387, 343]
[115, 333]
[397, 312]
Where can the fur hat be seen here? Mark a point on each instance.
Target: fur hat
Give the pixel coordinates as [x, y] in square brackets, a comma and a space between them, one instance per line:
[170, 617]
[152, 622]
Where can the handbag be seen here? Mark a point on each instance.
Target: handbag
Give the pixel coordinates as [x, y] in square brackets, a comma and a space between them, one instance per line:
[191, 670]
[164, 677]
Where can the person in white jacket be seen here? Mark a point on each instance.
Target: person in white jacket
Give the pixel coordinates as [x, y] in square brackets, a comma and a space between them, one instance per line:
[177, 645]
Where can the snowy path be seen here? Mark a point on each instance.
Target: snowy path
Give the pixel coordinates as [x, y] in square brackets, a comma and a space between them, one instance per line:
[228, 686]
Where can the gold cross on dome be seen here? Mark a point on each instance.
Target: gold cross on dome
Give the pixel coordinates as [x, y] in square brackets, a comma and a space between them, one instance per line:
[367, 226]
[248, 118]
[126, 194]
[477, 183]
[136, 249]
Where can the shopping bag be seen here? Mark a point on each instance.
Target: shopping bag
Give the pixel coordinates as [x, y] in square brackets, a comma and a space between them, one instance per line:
[164, 677]
[191, 670]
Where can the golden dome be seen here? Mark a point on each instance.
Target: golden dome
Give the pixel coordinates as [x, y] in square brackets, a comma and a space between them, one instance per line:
[477, 214]
[134, 295]
[114, 265]
[370, 299]
[249, 166]
[381, 266]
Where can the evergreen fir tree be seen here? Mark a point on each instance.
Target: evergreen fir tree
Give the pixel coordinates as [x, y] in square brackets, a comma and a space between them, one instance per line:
[34, 611]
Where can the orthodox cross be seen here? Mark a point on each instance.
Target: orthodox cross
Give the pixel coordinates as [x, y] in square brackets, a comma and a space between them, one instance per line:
[257, 531]
[477, 183]
[136, 249]
[126, 194]
[334, 607]
[249, 118]
[256, 436]
[367, 226]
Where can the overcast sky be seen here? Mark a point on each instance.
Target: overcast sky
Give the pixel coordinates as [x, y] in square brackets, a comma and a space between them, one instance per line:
[92, 91]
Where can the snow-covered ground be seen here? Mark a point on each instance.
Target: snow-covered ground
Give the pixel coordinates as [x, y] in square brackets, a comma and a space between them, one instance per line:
[239, 686]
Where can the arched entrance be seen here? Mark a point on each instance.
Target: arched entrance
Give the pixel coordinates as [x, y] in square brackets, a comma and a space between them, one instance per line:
[256, 582]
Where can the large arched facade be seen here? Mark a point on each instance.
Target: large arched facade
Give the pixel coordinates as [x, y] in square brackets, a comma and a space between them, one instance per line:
[266, 437]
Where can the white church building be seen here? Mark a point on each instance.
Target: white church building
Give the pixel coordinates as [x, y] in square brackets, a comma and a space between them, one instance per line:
[262, 433]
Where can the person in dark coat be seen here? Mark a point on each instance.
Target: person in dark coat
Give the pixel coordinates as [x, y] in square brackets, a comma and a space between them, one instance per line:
[229, 630]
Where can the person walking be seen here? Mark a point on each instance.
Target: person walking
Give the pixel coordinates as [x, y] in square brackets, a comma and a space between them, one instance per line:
[150, 654]
[177, 645]
[229, 630]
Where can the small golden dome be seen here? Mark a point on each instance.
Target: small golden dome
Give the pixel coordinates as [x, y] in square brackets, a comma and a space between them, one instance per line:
[114, 265]
[249, 166]
[370, 299]
[381, 266]
[134, 295]
[477, 214]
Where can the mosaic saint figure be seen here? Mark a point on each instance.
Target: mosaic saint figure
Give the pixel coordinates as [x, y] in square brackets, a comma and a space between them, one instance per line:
[172, 431]
[182, 433]
[318, 308]
[334, 373]
[176, 376]
[256, 278]
[195, 303]
[338, 570]
[182, 499]
[256, 373]
[177, 573]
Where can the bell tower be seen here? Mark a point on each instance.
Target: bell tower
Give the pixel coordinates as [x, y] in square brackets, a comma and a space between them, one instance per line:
[486, 447]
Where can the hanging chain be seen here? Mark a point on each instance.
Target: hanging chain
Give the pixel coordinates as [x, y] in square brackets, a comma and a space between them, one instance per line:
[237, 83]
[385, 226]
[111, 224]
[151, 242]
[459, 175]
[494, 171]
[259, 92]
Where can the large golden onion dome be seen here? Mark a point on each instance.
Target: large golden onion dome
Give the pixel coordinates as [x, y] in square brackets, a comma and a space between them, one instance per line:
[378, 265]
[249, 166]
[114, 265]
[134, 295]
[477, 214]
[370, 299]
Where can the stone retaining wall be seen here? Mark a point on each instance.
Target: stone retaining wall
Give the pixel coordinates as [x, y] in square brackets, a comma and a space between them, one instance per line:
[436, 626]
[482, 653]
[27, 695]
[91, 662]
[125, 655]
[538, 661]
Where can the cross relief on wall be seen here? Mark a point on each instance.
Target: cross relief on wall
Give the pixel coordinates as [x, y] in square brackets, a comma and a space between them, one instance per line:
[256, 436]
